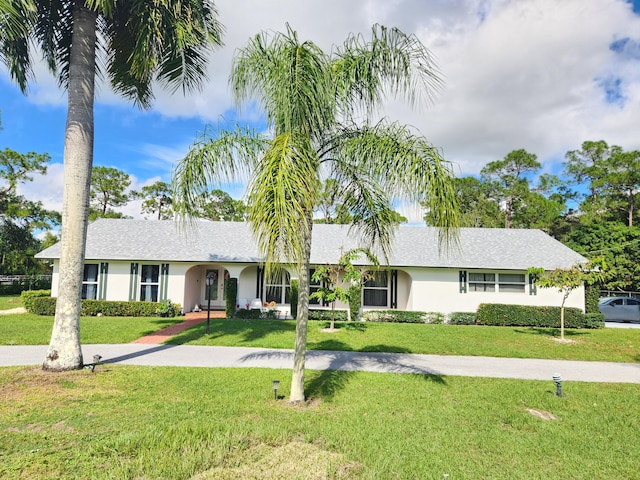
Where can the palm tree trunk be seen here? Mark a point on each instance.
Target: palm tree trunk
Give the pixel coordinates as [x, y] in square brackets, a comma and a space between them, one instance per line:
[300, 350]
[64, 351]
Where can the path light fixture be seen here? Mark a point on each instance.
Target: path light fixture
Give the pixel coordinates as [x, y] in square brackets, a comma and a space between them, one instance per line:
[558, 379]
[209, 282]
[276, 386]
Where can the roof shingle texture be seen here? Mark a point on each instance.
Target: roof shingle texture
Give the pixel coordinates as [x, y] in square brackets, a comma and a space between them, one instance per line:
[417, 246]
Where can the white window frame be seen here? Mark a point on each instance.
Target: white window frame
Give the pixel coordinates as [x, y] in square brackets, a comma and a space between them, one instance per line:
[144, 285]
[86, 283]
[372, 286]
[284, 284]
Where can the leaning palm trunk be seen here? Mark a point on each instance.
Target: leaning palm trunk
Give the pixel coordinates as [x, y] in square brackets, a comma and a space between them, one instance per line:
[64, 351]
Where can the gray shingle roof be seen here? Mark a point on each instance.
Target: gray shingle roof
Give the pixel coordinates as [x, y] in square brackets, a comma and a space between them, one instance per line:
[482, 248]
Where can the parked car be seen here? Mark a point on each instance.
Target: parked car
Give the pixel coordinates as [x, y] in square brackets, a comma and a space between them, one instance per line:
[620, 309]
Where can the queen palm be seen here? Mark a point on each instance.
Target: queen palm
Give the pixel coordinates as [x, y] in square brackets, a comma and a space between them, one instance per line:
[139, 42]
[312, 102]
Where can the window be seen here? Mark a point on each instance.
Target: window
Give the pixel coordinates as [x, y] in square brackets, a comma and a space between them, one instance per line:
[497, 282]
[149, 282]
[279, 291]
[482, 282]
[376, 291]
[511, 282]
[90, 281]
[313, 287]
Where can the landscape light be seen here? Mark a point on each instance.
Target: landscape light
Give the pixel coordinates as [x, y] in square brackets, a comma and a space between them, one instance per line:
[276, 385]
[558, 379]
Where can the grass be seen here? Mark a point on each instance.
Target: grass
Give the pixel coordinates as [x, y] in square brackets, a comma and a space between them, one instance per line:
[28, 329]
[7, 302]
[609, 344]
[180, 423]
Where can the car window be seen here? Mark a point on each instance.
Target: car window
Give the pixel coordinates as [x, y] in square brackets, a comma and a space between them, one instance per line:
[632, 301]
[617, 301]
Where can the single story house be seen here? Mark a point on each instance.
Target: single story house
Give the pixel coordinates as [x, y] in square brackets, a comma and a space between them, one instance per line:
[153, 260]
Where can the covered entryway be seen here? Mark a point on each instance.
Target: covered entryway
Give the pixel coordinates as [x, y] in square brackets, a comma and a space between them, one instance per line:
[218, 274]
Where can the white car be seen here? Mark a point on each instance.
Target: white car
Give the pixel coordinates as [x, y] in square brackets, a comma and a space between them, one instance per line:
[620, 309]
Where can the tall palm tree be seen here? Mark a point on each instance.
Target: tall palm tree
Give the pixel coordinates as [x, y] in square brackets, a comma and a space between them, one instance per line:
[140, 42]
[312, 102]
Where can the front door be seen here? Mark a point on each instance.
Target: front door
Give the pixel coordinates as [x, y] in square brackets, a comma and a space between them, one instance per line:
[216, 288]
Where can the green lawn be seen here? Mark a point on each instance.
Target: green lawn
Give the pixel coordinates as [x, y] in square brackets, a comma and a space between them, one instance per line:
[617, 345]
[28, 329]
[180, 423]
[8, 302]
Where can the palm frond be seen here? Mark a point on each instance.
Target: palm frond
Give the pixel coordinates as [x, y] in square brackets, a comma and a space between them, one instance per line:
[18, 19]
[228, 156]
[391, 62]
[290, 81]
[281, 198]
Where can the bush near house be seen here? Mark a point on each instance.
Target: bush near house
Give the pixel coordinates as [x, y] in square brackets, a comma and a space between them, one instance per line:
[28, 296]
[91, 308]
[496, 314]
[462, 318]
[325, 314]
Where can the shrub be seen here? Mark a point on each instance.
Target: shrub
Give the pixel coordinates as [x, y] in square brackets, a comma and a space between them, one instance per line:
[247, 314]
[591, 298]
[462, 318]
[354, 295]
[530, 316]
[594, 320]
[27, 297]
[92, 308]
[325, 314]
[293, 302]
[166, 309]
[230, 295]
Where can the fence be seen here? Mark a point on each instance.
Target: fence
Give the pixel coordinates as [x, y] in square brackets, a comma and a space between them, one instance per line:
[618, 293]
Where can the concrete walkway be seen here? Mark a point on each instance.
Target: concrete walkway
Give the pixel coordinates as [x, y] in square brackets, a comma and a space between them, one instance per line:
[238, 357]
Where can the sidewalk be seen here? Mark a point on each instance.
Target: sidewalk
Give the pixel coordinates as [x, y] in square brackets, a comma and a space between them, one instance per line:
[239, 357]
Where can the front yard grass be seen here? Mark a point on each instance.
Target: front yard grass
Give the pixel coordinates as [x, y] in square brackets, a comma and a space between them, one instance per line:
[608, 344]
[29, 329]
[8, 302]
[191, 423]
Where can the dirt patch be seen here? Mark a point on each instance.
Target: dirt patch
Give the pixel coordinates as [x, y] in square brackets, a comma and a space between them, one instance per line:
[329, 330]
[563, 340]
[11, 311]
[542, 414]
[293, 460]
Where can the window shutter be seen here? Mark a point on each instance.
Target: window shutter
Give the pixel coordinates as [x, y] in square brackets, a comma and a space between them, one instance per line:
[259, 282]
[533, 288]
[463, 281]
[394, 289]
[133, 282]
[102, 288]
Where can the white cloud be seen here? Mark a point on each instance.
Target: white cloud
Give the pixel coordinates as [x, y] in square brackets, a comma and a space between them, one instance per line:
[518, 73]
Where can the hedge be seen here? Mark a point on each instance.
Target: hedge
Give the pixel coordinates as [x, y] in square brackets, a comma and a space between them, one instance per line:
[230, 294]
[496, 314]
[462, 318]
[92, 308]
[325, 314]
[402, 316]
[28, 296]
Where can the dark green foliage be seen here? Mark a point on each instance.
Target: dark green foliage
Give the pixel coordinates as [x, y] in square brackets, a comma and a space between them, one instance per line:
[28, 296]
[91, 308]
[248, 314]
[326, 314]
[230, 295]
[354, 294]
[166, 308]
[27, 282]
[530, 316]
[462, 318]
[295, 285]
[591, 297]
[594, 320]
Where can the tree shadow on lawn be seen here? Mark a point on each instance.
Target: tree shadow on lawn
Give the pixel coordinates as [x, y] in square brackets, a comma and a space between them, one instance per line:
[552, 332]
[344, 363]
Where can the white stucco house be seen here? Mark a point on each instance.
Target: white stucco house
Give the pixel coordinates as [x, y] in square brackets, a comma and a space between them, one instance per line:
[156, 260]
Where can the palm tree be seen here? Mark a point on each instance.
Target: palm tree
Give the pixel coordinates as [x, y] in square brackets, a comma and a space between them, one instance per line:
[140, 42]
[312, 102]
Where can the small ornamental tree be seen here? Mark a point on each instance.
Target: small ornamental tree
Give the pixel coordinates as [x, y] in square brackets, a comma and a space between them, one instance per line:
[339, 281]
[567, 280]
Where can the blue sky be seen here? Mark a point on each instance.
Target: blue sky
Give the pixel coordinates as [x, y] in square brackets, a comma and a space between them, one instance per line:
[535, 74]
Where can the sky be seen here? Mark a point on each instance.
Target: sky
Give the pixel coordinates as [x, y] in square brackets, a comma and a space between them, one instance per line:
[543, 75]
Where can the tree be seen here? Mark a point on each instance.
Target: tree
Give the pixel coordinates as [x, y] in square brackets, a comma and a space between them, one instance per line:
[620, 183]
[567, 280]
[157, 198]
[337, 282]
[317, 106]
[218, 206]
[108, 191]
[507, 180]
[143, 42]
